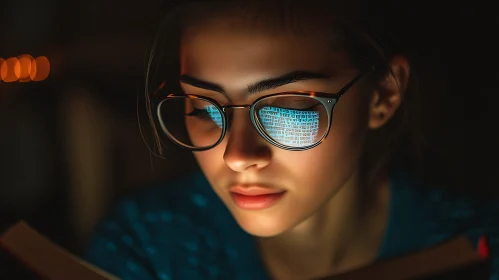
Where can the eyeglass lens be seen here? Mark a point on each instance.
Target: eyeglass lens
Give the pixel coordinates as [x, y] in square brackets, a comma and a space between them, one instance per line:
[289, 120]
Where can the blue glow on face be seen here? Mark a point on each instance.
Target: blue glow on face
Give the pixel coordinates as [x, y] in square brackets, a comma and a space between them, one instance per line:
[297, 128]
[290, 127]
[215, 114]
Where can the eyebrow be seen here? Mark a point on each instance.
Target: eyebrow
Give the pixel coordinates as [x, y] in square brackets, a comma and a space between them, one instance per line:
[266, 84]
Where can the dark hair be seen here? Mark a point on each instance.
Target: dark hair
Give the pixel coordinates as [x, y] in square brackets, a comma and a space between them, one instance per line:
[360, 28]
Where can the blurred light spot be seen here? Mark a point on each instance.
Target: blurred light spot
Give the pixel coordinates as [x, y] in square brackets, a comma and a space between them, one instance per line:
[132, 266]
[191, 246]
[111, 246]
[24, 68]
[1, 66]
[26, 64]
[231, 252]
[10, 70]
[193, 260]
[41, 70]
[166, 216]
[127, 239]
[151, 250]
[163, 276]
[200, 200]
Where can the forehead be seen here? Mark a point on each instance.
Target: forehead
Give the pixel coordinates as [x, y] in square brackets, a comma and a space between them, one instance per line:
[229, 45]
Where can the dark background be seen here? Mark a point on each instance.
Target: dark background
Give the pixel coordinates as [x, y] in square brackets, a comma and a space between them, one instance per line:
[70, 145]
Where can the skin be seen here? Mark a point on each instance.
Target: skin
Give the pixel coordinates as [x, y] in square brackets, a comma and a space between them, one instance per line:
[319, 227]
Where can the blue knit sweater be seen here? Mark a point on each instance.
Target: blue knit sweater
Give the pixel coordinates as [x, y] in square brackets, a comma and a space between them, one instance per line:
[181, 230]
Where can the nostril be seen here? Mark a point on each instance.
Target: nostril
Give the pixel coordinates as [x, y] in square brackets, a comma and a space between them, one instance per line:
[240, 161]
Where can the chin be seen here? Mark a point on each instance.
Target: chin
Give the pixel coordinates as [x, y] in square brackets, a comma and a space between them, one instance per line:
[261, 224]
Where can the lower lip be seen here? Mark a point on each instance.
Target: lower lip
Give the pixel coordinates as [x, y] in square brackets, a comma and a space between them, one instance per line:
[256, 202]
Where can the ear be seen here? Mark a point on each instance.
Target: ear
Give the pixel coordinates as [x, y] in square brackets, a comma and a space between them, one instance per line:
[389, 92]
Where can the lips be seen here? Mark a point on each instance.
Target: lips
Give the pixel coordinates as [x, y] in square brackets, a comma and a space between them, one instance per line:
[255, 197]
[253, 190]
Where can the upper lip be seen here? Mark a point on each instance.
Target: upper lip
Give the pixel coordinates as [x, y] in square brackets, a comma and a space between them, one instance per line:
[254, 189]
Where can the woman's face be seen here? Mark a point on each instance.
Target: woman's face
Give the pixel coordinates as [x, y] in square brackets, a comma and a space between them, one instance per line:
[270, 190]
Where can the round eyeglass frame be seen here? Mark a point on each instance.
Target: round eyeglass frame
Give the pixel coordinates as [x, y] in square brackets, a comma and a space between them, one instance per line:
[328, 100]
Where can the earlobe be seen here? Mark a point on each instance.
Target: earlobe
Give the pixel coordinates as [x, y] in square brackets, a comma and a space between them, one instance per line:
[389, 92]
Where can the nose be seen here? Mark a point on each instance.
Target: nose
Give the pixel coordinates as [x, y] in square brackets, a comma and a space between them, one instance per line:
[246, 149]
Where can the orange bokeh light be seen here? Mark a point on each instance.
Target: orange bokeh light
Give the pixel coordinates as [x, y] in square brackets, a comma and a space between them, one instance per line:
[25, 62]
[40, 69]
[1, 66]
[24, 68]
[10, 70]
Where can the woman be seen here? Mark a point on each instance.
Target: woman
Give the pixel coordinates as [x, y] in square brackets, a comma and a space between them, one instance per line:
[300, 118]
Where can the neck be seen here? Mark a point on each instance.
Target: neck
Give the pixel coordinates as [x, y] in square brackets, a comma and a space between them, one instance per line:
[345, 234]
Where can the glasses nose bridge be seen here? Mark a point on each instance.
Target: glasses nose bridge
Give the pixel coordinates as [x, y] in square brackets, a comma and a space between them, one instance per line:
[229, 120]
[224, 108]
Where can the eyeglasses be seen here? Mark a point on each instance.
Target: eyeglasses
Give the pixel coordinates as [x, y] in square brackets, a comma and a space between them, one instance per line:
[294, 121]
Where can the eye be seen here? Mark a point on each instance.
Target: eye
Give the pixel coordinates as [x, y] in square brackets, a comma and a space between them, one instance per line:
[206, 113]
[199, 113]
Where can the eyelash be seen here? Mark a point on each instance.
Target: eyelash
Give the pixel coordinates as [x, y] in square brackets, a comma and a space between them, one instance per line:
[199, 113]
